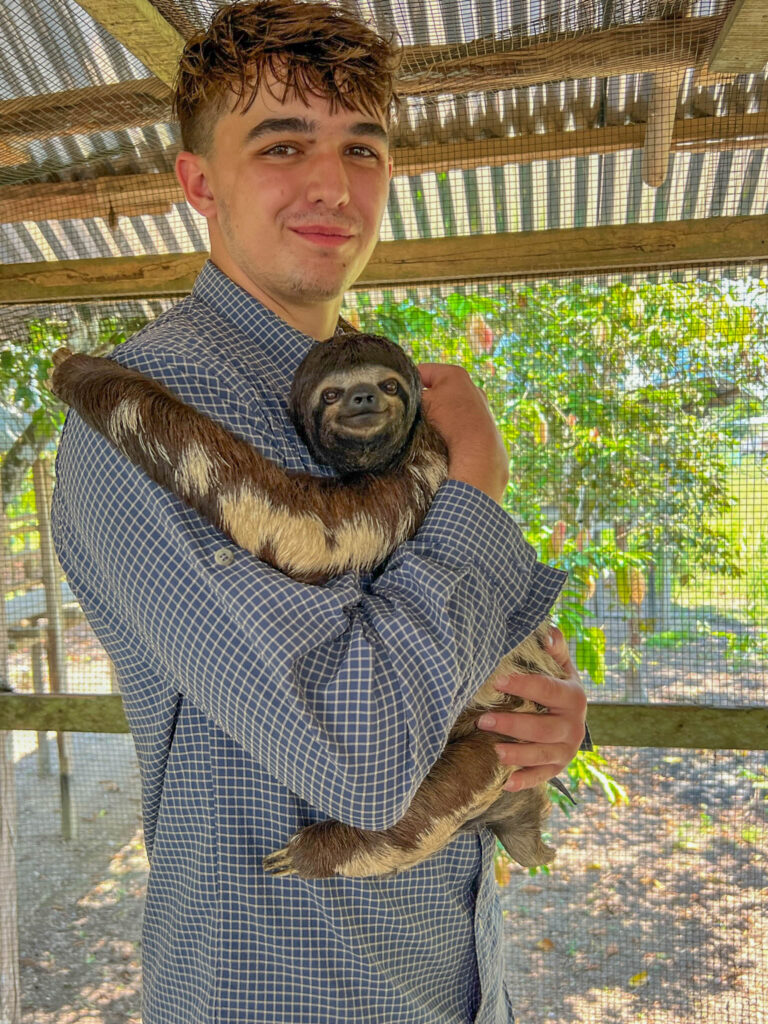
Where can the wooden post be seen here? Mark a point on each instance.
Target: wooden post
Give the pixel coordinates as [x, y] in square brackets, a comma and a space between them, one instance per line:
[43, 746]
[10, 989]
[57, 662]
[660, 125]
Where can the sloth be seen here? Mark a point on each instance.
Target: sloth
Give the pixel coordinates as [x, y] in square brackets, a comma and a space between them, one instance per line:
[356, 403]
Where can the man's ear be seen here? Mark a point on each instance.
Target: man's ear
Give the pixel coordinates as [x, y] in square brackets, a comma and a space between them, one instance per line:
[192, 173]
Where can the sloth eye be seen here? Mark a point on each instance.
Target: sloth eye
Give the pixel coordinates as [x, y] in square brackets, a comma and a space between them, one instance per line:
[390, 386]
[331, 395]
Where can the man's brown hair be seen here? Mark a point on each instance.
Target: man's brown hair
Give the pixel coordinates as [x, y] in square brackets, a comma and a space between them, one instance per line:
[308, 48]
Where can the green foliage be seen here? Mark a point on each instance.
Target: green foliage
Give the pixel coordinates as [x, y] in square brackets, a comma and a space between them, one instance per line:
[25, 363]
[585, 769]
[620, 405]
[24, 366]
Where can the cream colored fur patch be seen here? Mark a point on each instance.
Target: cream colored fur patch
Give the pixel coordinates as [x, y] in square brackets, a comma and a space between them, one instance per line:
[195, 471]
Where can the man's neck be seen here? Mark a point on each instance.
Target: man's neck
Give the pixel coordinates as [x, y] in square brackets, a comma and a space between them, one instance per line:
[317, 320]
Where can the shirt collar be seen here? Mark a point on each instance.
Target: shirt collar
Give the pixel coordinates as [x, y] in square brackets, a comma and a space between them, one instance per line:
[255, 325]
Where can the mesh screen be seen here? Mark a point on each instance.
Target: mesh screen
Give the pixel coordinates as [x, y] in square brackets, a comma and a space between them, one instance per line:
[630, 388]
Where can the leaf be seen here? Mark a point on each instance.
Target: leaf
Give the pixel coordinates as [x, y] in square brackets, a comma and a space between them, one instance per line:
[638, 979]
[501, 868]
[545, 944]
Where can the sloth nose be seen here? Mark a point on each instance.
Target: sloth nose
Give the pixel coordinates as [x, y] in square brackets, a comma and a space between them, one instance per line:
[362, 399]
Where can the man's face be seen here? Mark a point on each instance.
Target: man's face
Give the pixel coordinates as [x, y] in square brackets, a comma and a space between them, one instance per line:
[298, 196]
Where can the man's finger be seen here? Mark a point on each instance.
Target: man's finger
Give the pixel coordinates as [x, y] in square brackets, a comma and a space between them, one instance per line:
[546, 690]
[527, 778]
[528, 727]
[531, 755]
[558, 648]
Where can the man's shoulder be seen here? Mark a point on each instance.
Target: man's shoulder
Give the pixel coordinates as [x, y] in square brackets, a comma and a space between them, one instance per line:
[184, 333]
[189, 349]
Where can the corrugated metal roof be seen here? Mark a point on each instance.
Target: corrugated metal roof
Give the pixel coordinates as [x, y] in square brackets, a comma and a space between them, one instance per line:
[52, 46]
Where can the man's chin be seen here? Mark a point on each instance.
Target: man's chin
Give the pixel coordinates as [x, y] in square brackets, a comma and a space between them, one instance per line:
[320, 288]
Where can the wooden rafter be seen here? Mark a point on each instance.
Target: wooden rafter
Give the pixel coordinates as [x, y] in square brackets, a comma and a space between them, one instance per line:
[142, 30]
[717, 240]
[667, 44]
[742, 44]
[143, 101]
[663, 46]
[131, 195]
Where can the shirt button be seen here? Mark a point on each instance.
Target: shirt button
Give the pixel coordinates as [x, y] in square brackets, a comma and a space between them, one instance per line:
[224, 556]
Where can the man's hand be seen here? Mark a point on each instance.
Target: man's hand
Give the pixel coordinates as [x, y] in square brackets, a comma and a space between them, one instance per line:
[547, 742]
[460, 412]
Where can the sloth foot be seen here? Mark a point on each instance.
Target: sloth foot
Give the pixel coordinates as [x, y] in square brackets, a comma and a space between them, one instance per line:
[279, 863]
[330, 848]
[317, 851]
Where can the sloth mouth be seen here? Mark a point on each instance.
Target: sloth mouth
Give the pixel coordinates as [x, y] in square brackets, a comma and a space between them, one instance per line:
[358, 420]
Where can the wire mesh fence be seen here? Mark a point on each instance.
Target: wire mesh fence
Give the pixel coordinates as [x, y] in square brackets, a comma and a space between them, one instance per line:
[576, 215]
[654, 909]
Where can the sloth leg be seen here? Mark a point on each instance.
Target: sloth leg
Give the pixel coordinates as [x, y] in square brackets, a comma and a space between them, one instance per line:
[468, 777]
[518, 819]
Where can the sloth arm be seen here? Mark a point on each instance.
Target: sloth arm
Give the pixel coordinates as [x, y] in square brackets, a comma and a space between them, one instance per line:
[312, 528]
[344, 692]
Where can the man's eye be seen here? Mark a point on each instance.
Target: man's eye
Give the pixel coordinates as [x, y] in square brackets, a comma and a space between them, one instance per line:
[331, 395]
[364, 151]
[280, 149]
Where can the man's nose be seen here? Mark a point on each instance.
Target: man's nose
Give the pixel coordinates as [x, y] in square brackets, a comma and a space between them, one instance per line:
[328, 181]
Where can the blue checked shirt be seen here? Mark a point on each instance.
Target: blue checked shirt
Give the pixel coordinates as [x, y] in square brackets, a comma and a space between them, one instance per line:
[259, 705]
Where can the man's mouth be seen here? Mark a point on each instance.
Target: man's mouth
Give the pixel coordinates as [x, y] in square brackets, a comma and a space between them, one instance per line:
[321, 235]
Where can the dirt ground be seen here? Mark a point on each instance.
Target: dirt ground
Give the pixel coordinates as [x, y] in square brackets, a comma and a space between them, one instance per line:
[655, 910]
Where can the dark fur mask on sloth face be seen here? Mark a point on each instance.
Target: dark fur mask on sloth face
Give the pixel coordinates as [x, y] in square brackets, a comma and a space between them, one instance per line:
[356, 401]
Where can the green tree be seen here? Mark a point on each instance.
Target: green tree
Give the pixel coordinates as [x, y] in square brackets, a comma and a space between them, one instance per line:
[619, 405]
[25, 362]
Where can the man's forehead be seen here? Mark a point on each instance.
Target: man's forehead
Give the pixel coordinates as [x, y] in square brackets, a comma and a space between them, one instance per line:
[274, 104]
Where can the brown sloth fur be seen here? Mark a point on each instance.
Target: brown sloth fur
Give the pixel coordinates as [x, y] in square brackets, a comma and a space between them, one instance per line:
[313, 528]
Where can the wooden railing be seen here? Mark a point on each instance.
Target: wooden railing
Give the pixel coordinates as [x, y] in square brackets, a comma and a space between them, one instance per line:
[684, 726]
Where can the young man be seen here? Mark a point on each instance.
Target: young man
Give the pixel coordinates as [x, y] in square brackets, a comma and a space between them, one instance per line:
[258, 704]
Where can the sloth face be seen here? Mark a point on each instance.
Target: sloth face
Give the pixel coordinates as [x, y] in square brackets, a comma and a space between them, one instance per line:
[354, 401]
[359, 418]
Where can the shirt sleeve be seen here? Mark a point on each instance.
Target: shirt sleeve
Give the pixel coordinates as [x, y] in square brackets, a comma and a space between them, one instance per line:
[344, 692]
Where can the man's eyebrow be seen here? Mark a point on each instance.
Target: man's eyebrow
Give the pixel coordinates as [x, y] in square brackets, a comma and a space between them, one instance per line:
[272, 125]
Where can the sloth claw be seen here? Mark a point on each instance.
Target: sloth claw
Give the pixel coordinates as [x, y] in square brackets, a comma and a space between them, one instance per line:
[280, 863]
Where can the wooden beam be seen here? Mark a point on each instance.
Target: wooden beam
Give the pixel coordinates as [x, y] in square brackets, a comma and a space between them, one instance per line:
[142, 30]
[142, 101]
[666, 45]
[119, 277]
[572, 251]
[690, 135]
[63, 713]
[131, 195]
[742, 44]
[124, 195]
[682, 726]
[627, 247]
